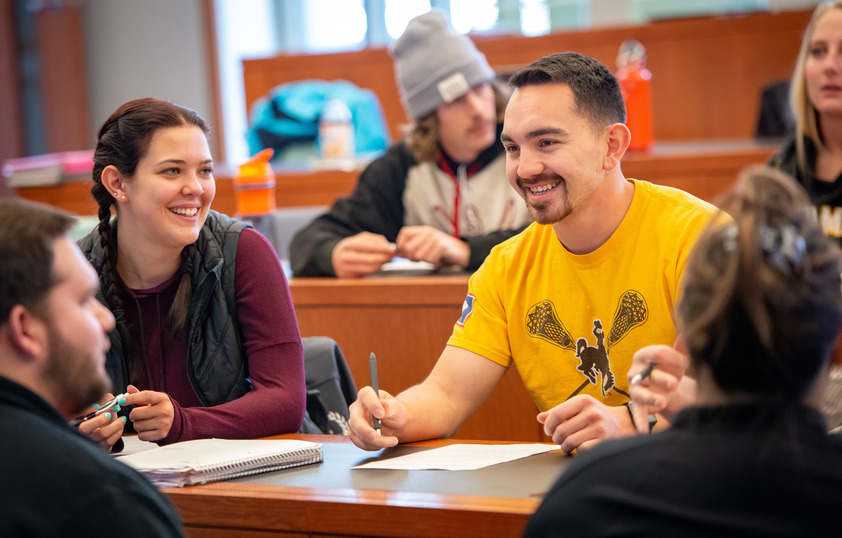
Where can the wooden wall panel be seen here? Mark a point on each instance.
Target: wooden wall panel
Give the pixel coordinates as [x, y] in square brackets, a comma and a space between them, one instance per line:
[406, 322]
[64, 86]
[11, 118]
[707, 71]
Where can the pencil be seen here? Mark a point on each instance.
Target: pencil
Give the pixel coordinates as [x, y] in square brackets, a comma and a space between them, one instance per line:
[107, 406]
[643, 374]
[372, 369]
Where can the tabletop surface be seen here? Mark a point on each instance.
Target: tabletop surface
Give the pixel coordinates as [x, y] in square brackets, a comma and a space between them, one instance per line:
[529, 477]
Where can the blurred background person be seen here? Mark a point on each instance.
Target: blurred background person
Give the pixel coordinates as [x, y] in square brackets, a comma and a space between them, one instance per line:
[813, 153]
[440, 195]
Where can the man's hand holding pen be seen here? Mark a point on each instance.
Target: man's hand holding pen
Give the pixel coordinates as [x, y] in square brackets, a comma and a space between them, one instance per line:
[361, 255]
[369, 405]
[425, 243]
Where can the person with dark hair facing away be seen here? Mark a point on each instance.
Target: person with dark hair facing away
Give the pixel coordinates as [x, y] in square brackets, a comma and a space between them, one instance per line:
[759, 317]
[206, 339]
[53, 341]
[437, 196]
[570, 299]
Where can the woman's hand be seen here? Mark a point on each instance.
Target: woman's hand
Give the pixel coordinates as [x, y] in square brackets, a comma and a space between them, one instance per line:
[107, 428]
[664, 390]
[153, 414]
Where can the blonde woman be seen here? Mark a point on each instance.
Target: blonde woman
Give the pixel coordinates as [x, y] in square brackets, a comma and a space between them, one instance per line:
[813, 154]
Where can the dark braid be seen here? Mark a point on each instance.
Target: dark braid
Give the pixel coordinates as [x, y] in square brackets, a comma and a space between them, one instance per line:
[106, 153]
[108, 242]
[180, 309]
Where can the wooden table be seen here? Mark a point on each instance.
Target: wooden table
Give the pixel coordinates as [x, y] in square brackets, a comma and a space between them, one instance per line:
[405, 322]
[329, 499]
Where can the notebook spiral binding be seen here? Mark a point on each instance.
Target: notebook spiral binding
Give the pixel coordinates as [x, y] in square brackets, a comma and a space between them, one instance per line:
[239, 468]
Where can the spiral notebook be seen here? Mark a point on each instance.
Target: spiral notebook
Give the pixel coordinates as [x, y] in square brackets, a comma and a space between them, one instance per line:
[210, 460]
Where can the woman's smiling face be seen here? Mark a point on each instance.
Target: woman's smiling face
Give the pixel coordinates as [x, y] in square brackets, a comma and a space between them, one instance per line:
[170, 193]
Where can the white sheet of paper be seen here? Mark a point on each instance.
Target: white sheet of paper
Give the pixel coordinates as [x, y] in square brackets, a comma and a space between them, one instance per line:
[459, 457]
[133, 445]
[404, 267]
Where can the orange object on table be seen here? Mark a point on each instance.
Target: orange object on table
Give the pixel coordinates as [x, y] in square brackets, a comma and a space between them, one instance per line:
[635, 83]
[254, 186]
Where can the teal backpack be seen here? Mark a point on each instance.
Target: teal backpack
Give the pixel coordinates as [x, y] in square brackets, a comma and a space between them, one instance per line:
[287, 119]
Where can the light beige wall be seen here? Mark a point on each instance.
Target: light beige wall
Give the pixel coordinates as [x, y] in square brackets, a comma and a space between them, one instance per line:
[145, 48]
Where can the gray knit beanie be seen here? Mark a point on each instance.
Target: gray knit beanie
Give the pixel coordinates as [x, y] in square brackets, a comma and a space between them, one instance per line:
[434, 64]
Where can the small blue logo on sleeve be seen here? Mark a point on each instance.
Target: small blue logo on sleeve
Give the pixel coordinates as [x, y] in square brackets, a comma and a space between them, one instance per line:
[467, 310]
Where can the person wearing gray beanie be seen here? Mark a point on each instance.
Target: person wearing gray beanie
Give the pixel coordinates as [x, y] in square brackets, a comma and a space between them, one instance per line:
[434, 64]
[438, 196]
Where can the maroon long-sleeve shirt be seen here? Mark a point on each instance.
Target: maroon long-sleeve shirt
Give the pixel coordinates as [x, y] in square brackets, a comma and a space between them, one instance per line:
[272, 343]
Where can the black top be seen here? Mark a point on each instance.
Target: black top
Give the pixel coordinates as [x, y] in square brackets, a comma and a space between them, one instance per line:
[825, 193]
[722, 471]
[58, 482]
[376, 205]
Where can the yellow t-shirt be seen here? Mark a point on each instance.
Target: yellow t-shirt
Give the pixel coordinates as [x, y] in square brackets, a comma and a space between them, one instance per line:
[571, 323]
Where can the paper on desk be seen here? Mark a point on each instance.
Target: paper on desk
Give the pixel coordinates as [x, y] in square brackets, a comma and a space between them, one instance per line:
[133, 445]
[404, 267]
[459, 457]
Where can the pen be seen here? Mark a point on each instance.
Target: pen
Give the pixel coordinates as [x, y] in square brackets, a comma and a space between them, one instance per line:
[643, 374]
[107, 406]
[372, 368]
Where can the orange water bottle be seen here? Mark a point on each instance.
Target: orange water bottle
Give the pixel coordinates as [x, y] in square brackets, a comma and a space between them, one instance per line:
[254, 186]
[636, 84]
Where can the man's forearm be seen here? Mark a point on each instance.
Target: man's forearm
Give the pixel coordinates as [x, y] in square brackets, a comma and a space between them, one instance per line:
[428, 415]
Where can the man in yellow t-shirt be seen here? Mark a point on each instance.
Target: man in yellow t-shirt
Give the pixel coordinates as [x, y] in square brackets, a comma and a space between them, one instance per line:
[571, 323]
[570, 299]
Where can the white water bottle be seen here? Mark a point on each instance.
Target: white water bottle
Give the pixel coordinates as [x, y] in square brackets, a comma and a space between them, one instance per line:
[336, 131]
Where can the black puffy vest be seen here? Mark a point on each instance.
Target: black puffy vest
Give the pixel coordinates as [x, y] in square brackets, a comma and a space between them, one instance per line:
[216, 359]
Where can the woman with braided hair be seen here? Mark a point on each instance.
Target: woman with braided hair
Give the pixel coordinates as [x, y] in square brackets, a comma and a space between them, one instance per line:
[192, 290]
[750, 456]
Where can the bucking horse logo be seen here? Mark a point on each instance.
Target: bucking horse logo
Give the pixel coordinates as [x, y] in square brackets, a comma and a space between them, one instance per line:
[542, 322]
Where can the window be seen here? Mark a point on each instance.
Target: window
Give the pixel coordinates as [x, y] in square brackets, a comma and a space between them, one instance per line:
[398, 13]
[343, 29]
[477, 16]
[534, 17]
[244, 29]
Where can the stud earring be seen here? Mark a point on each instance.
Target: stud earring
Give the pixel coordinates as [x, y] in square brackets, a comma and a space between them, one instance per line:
[124, 197]
[115, 194]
